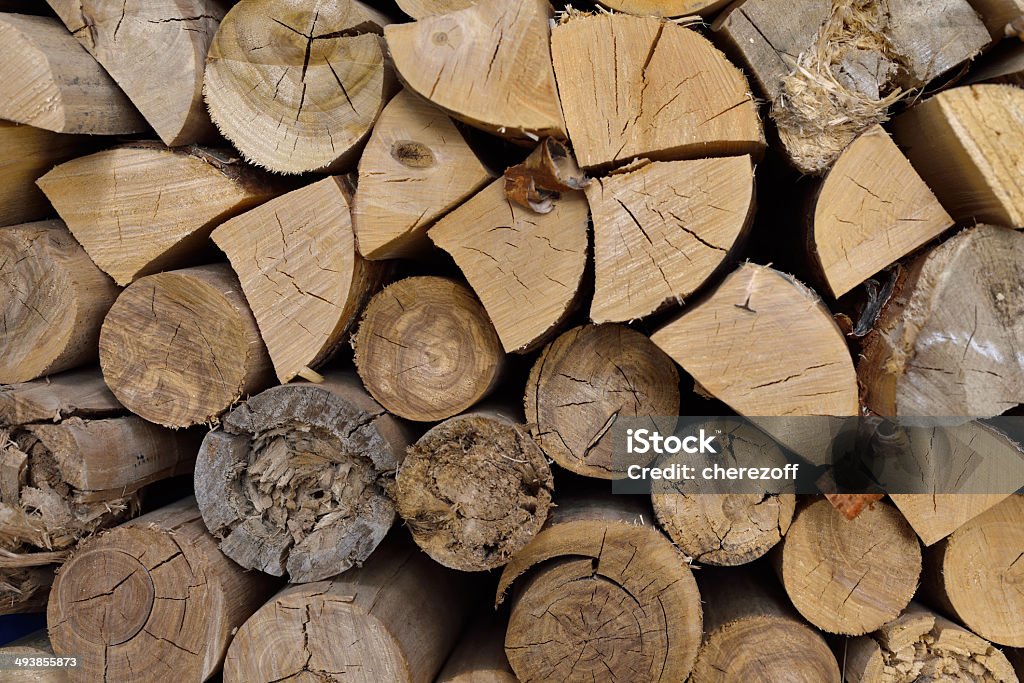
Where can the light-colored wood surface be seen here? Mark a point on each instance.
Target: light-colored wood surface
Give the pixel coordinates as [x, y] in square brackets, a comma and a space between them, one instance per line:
[296, 87]
[140, 209]
[416, 167]
[965, 143]
[479, 656]
[426, 350]
[666, 8]
[295, 482]
[51, 82]
[488, 65]
[77, 393]
[296, 260]
[26, 153]
[418, 9]
[660, 231]
[52, 301]
[178, 348]
[871, 210]
[156, 52]
[525, 267]
[642, 87]
[33, 645]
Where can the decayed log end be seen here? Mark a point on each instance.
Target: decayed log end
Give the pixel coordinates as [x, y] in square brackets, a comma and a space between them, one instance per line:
[295, 484]
[415, 147]
[642, 87]
[53, 303]
[946, 344]
[426, 350]
[473, 491]
[599, 594]
[151, 598]
[281, 78]
[487, 65]
[51, 82]
[178, 348]
[849, 576]
[587, 378]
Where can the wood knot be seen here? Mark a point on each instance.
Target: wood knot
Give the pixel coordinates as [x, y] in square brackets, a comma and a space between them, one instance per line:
[413, 154]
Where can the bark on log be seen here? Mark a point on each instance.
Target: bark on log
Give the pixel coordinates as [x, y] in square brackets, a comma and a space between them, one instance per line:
[379, 622]
[416, 148]
[660, 231]
[975, 575]
[33, 645]
[920, 645]
[297, 87]
[601, 593]
[474, 490]
[964, 144]
[726, 529]
[669, 8]
[849, 576]
[419, 9]
[426, 350]
[864, 220]
[142, 208]
[643, 87]
[808, 370]
[178, 348]
[479, 656]
[525, 266]
[80, 393]
[51, 82]
[943, 345]
[487, 65]
[753, 635]
[156, 52]
[52, 304]
[296, 260]
[295, 483]
[152, 599]
[832, 68]
[26, 153]
[585, 380]
[998, 13]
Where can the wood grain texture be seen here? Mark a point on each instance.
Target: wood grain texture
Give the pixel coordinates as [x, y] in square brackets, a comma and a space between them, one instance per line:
[296, 260]
[52, 301]
[416, 149]
[374, 623]
[77, 393]
[178, 348]
[671, 8]
[153, 598]
[296, 86]
[808, 370]
[26, 153]
[660, 231]
[295, 482]
[525, 267]
[584, 381]
[419, 9]
[479, 656]
[849, 576]
[946, 344]
[51, 82]
[140, 209]
[156, 52]
[487, 65]
[426, 350]
[965, 143]
[872, 208]
[998, 13]
[641, 87]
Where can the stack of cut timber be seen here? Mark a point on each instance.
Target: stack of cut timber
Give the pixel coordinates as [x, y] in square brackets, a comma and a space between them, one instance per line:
[311, 292]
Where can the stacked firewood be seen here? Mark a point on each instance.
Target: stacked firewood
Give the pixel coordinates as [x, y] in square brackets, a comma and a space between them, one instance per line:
[318, 317]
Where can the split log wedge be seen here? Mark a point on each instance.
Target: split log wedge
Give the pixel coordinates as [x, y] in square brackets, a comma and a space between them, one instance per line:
[26, 153]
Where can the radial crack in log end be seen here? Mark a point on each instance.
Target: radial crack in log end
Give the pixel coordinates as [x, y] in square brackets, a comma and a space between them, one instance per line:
[487, 65]
[415, 168]
[525, 267]
[642, 87]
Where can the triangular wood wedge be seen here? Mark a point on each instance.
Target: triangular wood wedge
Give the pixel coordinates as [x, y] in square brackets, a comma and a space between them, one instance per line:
[764, 344]
[144, 208]
[296, 260]
[416, 167]
[524, 266]
[661, 230]
[643, 87]
[488, 65]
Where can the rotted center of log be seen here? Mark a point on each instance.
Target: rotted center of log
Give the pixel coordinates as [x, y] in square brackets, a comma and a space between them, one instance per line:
[116, 601]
